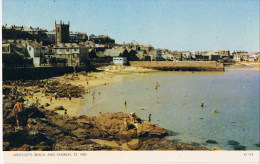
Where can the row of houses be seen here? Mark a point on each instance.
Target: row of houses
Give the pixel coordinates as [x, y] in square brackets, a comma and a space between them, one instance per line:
[73, 54]
[63, 54]
[73, 49]
[245, 56]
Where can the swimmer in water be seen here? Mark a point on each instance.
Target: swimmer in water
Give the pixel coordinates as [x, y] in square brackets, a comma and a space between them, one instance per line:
[214, 110]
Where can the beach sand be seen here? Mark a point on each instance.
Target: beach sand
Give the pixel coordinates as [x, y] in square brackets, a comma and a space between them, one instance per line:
[104, 76]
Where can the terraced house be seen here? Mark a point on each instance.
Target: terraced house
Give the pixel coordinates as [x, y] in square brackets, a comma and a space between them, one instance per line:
[72, 53]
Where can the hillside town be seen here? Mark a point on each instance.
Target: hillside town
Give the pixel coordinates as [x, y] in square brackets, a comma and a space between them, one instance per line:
[37, 47]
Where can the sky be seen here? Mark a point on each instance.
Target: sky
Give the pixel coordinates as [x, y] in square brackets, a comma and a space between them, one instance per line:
[184, 25]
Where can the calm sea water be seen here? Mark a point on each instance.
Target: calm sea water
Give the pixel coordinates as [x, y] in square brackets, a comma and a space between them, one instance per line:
[175, 105]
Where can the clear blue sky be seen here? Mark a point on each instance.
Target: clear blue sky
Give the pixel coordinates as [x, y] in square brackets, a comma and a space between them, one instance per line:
[174, 24]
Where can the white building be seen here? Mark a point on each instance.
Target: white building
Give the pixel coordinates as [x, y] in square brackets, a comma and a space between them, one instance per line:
[120, 60]
[34, 50]
[236, 58]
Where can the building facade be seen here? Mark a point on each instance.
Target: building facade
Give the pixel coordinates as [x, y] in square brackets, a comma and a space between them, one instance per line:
[62, 33]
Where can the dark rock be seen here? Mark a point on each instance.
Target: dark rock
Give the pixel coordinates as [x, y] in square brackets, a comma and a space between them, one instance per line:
[7, 146]
[59, 108]
[239, 147]
[16, 137]
[34, 138]
[212, 142]
[46, 104]
[257, 145]
[232, 142]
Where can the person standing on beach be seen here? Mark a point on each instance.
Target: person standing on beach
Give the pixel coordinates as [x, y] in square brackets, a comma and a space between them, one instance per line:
[126, 124]
[66, 116]
[149, 118]
[70, 97]
[17, 112]
[93, 96]
[132, 117]
[56, 96]
[37, 102]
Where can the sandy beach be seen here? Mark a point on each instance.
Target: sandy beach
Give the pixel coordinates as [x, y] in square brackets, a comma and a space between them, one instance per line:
[104, 76]
[109, 131]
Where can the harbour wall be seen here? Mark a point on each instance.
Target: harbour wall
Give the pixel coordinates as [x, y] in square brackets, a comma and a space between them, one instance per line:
[180, 65]
[32, 73]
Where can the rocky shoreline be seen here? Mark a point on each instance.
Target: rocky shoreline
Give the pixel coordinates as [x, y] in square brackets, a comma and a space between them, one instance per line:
[49, 131]
[46, 127]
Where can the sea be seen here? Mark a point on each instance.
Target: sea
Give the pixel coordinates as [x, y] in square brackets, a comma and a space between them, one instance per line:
[174, 101]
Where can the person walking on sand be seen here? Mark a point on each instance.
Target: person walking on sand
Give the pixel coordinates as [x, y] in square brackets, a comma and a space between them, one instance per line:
[149, 118]
[51, 99]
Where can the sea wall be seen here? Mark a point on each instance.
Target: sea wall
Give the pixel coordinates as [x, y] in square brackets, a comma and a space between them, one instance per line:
[32, 73]
[180, 65]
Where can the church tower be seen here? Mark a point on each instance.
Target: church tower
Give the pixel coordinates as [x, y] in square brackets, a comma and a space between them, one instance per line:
[62, 33]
